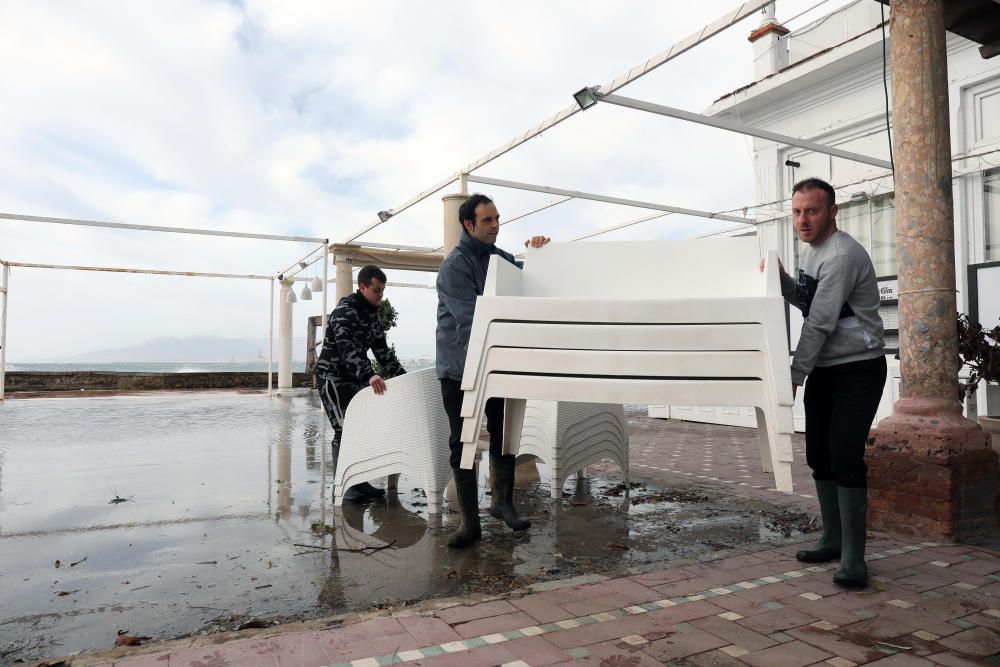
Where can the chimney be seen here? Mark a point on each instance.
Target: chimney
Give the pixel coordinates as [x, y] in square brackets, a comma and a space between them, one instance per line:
[769, 50]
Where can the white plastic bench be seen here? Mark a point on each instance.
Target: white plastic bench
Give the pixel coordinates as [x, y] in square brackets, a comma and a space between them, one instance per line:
[690, 322]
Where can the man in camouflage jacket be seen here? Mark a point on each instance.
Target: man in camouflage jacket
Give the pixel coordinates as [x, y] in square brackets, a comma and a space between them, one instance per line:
[343, 368]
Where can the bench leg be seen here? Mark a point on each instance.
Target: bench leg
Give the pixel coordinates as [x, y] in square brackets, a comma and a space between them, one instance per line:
[764, 439]
[783, 476]
[469, 454]
[513, 424]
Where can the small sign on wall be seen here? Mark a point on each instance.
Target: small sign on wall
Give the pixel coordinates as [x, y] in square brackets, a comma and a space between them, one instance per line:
[888, 290]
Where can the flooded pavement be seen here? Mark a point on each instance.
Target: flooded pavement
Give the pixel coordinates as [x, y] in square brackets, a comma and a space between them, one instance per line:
[172, 514]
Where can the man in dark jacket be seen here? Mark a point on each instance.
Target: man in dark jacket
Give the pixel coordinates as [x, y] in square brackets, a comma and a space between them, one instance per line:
[343, 368]
[461, 278]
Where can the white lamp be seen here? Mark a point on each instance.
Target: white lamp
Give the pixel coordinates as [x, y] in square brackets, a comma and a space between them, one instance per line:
[290, 297]
[305, 294]
[317, 284]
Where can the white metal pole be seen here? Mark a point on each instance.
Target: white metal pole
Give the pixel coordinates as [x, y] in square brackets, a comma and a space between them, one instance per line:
[3, 328]
[576, 194]
[326, 289]
[270, 339]
[742, 128]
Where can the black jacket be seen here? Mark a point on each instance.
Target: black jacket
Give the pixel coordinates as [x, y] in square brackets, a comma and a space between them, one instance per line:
[354, 328]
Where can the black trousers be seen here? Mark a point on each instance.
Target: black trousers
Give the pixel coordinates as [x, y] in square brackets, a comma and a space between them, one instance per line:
[451, 394]
[840, 405]
[336, 395]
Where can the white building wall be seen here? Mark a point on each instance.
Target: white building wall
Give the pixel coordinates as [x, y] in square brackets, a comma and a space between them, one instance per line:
[837, 97]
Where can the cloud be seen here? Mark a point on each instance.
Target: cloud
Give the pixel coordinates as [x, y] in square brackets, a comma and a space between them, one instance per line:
[306, 118]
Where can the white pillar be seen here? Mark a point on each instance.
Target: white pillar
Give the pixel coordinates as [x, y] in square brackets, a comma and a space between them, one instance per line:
[326, 289]
[270, 337]
[3, 328]
[452, 228]
[343, 275]
[285, 311]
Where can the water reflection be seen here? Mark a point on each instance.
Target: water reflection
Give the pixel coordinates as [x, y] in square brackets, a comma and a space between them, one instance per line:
[221, 487]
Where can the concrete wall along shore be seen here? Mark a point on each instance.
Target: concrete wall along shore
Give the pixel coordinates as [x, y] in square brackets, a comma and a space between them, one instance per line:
[55, 381]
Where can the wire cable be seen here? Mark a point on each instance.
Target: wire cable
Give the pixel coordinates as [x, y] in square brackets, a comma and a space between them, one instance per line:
[885, 87]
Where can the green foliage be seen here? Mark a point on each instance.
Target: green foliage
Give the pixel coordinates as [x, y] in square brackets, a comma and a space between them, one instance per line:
[979, 349]
[388, 315]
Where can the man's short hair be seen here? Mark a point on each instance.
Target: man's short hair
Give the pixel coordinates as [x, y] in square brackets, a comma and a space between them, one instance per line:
[366, 274]
[816, 184]
[467, 211]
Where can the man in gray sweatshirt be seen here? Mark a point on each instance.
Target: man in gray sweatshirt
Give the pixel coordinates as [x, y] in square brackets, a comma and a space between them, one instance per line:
[841, 351]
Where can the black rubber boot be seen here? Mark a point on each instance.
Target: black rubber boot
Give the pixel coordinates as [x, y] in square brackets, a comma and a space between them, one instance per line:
[359, 492]
[369, 491]
[502, 503]
[352, 495]
[853, 572]
[828, 547]
[468, 501]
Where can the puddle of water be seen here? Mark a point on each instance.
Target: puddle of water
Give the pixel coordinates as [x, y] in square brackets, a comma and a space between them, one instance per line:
[220, 487]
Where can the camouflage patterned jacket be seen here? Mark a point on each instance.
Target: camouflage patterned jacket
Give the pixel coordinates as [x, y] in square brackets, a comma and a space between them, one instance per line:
[354, 328]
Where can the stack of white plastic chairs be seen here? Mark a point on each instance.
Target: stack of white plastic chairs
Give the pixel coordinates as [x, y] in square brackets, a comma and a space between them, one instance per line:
[663, 322]
[404, 431]
[570, 436]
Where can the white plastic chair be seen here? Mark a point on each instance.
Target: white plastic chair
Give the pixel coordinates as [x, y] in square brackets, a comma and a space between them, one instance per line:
[404, 431]
[570, 436]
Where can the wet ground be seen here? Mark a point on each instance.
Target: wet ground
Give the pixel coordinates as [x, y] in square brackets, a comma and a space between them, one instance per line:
[172, 514]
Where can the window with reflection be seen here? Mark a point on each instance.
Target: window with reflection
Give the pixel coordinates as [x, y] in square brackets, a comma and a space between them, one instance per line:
[883, 234]
[991, 213]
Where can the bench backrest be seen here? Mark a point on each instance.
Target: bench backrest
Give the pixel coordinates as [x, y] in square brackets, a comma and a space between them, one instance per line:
[687, 269]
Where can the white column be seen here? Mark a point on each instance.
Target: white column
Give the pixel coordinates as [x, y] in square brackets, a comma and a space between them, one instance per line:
[452, 228]
[270, 337]
[3, 328]
[285, 311]
[343, 275]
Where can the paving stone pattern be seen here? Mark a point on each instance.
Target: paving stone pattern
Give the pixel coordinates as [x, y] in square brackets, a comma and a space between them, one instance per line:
[929, 604]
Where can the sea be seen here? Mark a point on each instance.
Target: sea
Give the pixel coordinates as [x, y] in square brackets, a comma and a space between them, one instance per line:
[184, 367]
[149, 367]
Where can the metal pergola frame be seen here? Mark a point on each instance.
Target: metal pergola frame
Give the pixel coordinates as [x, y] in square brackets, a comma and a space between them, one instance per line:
[428, 259]
[7, 264]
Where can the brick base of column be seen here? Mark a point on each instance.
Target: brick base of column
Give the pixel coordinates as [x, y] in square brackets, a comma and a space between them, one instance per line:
[932, 473]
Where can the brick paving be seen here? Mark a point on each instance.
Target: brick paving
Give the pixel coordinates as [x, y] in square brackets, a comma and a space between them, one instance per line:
[929, 604]
[727, 457]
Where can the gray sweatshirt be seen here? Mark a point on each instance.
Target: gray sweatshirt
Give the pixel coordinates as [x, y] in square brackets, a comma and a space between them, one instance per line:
[838, 296]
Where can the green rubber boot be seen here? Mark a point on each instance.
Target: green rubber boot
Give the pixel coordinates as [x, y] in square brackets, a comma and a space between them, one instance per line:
[828, 547]
[853, 572]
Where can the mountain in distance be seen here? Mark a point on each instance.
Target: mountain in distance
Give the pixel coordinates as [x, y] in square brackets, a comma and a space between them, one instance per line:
[184, 349]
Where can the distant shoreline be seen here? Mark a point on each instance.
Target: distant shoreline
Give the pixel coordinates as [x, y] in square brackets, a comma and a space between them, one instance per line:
[48, 383]
[54, 379]
[173, 367]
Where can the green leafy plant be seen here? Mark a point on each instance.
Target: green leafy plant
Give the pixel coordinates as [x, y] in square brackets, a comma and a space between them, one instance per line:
[979, 350]
[388, 315]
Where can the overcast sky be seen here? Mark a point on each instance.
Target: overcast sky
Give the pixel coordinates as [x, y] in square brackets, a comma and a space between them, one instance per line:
[305, 118]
